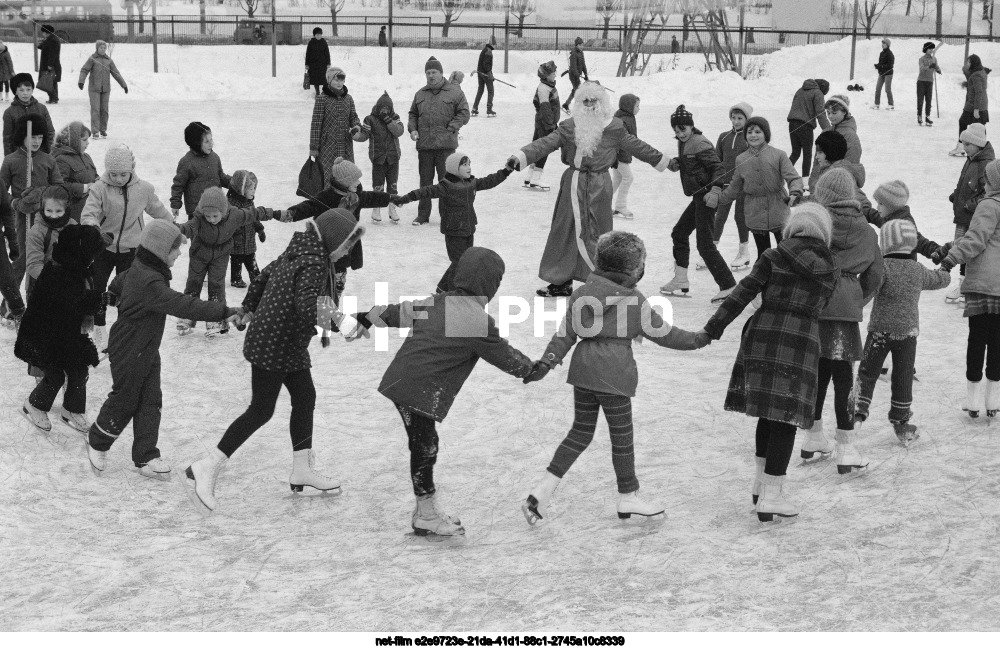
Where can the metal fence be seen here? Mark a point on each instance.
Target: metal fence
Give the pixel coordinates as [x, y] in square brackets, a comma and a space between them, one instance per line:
[425, 32]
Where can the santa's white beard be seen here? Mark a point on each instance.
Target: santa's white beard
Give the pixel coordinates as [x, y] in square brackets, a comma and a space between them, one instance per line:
[590, 124]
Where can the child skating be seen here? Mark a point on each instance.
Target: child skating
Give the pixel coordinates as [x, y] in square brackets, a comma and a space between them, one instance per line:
[621, 171]
[197, 170]
[242, 189]
[546, 103]
[383, 128]
[603, 372]
[729, 146]
[970, 190]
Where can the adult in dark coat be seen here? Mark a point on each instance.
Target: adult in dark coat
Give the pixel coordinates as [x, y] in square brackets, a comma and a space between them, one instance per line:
[886, 61]
[775, 377]
[383, 38]
[976, 109]
[51, 337]
[484, 72]
[317, 60]
[50, 60]
[808, 107]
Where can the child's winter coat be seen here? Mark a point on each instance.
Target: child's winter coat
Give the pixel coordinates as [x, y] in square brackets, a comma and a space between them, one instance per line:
[51, 333]
[602, 361]
[895, 309]
[971, 186]
[117, 211]
[775, 375]
[196, 172]
[730, 145]
[451, 332]
[979, 249]
[14, 175]
[101, 68]
[699, 164]
[244, 241]
[76, 167]
[40, 242]
[213, 241]
[382, 129]
[761, 175]
[855, 250]
[546, 102]
[17, 109]
[456, 197]
[625, 107]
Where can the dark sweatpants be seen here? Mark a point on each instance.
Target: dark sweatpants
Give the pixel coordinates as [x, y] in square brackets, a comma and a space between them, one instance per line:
[722, 214]
[238, 262]
[423, 440]
[105, 263]
[984, 345]
[618, 411]
[485, 83]
[455, 247]
[699, 219]
[75, 399]
[763, 240]
[266, 385]
[878, 345]
[801, 134]
[215, 269]
[967, 118]
[430, 161]
[135, 397]
[925, 91]
[775, 441]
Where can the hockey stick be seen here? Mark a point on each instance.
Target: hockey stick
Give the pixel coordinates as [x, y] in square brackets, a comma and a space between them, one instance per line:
[27, 184]
[483, 74]
[934, 74]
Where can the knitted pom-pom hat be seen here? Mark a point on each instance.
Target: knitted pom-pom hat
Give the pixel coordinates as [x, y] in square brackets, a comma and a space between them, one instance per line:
[433, 64]
[621, 252]
[761, 124]
[344, 173]
[546, 69]
[898, 236]
[681, 117]
[892, 195]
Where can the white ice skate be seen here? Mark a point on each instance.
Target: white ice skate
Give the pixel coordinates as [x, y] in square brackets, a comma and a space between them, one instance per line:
[742, 261]
[679, 283]
[849, 459]
[75, 421]
[393, 216]
[958, 151]
[200, 477]
[428, 521]
[213, 330]
[157, 469]
[955, 295]
[992, 398]
[37, 417]
[536, 506]
[98, 459]
[755, 490]
[974, 401]
[99, 336]
[815, 443]
[304, 473]
[623, 213]
[184, 326]
[377, 215]
[772, 502]
[633, 504]
[722, 295]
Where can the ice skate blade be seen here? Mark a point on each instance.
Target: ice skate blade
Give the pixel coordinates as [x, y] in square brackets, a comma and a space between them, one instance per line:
[992, 413]
[431, 536]
[847, 469]
[530, 510]
[765, 517]
[166, 477]
[972, 414]
[334, 491]
[672, 293]
[24, 412]
[628, 515]
[83, 432]
[189, 487]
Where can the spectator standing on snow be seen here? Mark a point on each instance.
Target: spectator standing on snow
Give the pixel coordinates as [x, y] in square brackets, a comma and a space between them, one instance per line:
[101, 68]
[925, 81]
[807, 108]
[335, 123]
[383, 39]
[438, 112]
[484, 73]
[6, 70]
[976, 108]
[50, 60]
[317, 60]
[577, 69]
[886, 60]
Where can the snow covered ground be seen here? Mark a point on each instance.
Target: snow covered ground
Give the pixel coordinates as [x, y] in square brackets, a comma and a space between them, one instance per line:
[908, 546]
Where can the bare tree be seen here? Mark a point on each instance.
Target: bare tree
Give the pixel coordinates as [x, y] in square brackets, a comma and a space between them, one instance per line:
[607, 9]
[452, 10]
[871, 11]
[522, 9]
[335, 7]
[249, 6]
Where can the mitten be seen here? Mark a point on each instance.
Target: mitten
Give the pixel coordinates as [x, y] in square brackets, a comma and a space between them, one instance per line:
[125, 89]
[355, 131]
[941, 253]
[951, 198]
[674, 165]
[259, 227]
[287, 216]
[947, 264]
[794, 198]
[712, 198]
[538, 371]
[80, 85]
[514, 163]
[31, 199]
[414, 136]
[314, 153]
[702, 339]
[404, 199]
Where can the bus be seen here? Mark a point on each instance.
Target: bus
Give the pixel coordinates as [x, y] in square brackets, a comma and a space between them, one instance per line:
[75, 21]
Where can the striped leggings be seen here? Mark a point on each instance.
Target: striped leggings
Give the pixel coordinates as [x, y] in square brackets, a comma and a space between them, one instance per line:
[618, 411]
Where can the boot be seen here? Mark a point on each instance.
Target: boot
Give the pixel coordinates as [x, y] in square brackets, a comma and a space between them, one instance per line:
[848, 456]
[742, 261]
[530, 177]
[954, 295]
[928, 121]
[959, 150]
[556, 290]
[156, 468]
[920, 121]
[377, 212]
[428, 520]
[632, 504]
[98, 459]
[755, 490]
[905, 432]
[75, 421]
[816, 442]
[304, 473]
[37, 417]
[678, 283]
[992, 398]
[772, 502]
[973, 403]
[722, 295]
[393, 216]
[203, 473]
[536, 506]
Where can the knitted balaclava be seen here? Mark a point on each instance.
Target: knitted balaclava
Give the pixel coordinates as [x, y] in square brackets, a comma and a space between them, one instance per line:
[809, 220]
[835, 186]
[193, 134]
[454, 161]
[244, 183]
[892, 196]
[160, 237]
[898, 236]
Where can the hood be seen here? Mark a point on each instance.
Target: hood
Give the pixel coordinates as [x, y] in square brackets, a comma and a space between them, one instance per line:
[848, 124]
[849, 225]
[478, 273]
[857, 170]
[808, 256]
[243, 183]
[627, 103]
[383, 107]
[70, 137]
[132, 180]
[306, 243]
[985, 154]
[330, 92]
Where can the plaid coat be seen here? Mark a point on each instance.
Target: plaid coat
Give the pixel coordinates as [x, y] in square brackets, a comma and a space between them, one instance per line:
[333, 118]
[775, 373]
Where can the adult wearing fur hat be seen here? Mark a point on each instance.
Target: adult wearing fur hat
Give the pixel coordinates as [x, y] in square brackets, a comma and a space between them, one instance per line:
[317, 59]
[49, 61]
[928, 67]
[284, 305]
[775, 376]
[976, 109]
[75, 165]
[439, 110]
[101, 69]
[589, 142]
[144, 299]
[24, 104]
[807, 108]
[335, 122]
